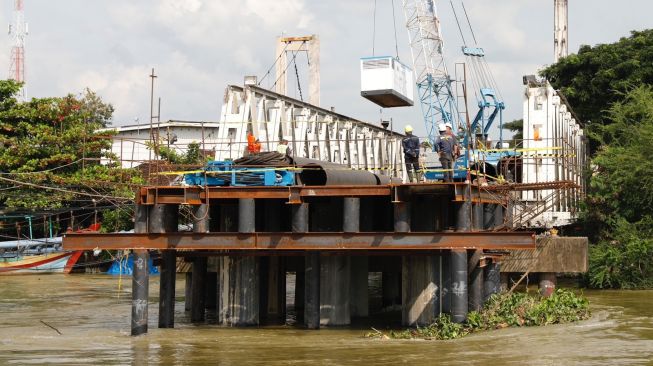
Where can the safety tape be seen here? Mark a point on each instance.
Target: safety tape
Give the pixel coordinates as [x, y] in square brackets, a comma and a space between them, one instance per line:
[550, 156]
[260, 170]
[522, 149]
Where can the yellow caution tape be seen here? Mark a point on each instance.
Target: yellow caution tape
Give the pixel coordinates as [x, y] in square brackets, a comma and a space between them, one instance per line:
[521, 150]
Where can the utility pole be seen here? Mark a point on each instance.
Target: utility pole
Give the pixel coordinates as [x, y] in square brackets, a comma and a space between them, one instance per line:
[18, 32]
[154, 135]
[560, 29]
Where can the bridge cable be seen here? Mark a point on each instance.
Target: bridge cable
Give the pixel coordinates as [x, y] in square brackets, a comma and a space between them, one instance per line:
[273, 64]
[299, 86]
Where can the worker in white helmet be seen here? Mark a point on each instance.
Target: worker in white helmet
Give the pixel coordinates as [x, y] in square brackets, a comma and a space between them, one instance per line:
[410, 144]
[456, 148]
[445, 146]
[449, 128]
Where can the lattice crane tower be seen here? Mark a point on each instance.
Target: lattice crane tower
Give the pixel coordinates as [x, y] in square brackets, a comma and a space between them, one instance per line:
[560, 28]
[18, 31]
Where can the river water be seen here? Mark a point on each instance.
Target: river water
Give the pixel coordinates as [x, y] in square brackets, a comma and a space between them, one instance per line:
[93, 314]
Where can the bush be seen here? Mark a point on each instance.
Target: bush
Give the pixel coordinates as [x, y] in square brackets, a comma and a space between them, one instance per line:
[117, 220]
[625, 261]
[501, 311]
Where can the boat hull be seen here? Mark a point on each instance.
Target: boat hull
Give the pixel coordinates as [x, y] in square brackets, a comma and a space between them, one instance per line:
[58, 262]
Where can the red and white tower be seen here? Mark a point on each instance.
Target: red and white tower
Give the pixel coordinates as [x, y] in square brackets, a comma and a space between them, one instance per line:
[18, 31]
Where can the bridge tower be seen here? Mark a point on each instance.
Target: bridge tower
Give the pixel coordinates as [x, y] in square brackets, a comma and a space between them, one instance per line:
[560, 29]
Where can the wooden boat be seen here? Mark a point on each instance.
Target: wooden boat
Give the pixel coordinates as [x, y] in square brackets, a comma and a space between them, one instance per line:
[38, 256]
[53, 262]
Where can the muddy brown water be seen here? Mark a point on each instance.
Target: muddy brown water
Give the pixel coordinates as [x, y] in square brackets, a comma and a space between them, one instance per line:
[92, 313]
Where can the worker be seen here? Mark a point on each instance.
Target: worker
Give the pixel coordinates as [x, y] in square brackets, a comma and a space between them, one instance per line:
[283, 148]
[449, 128]
[445, 146]
[253, 144]
[410, 144]
[461, 133]
[456, 148]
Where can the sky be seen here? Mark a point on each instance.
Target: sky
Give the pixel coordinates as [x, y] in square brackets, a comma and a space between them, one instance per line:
[198, 47]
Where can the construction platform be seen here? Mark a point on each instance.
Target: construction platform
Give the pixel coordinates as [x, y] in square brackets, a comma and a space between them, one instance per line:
[438, 245]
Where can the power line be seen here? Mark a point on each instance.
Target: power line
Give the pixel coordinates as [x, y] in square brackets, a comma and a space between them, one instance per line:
[42, 171]
[13, 181]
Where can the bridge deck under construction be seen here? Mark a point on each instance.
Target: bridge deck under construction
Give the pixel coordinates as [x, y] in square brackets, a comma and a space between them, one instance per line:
[437, 245]
[196, 195]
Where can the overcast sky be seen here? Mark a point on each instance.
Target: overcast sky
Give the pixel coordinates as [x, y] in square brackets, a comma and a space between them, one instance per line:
[199, 46]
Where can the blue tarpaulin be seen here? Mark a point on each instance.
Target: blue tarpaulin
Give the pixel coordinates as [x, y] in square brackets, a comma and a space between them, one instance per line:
[125, 266]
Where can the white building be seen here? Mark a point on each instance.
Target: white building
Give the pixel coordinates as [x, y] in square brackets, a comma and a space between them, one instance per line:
[130, 143]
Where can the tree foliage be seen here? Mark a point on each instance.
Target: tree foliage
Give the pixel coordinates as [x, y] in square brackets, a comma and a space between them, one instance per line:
[611, 85]
[517, 128]
[192, 156]
[50, 151]
[597, 77]
[619, 212]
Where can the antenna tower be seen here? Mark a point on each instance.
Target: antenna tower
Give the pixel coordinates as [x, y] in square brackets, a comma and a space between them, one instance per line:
[18, 31]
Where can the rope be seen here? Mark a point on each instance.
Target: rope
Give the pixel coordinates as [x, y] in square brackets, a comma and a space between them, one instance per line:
[273, 64]
[294, 56]
[394, 22]
[374, 28]
[299, 86]
[458, 23]
[468, 22]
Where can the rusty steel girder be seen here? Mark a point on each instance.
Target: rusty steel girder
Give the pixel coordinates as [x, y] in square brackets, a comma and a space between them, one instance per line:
[306, 241]
[199, 195]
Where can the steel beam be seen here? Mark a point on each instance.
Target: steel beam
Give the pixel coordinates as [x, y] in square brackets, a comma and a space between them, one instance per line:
[302, 241]
[198, 195]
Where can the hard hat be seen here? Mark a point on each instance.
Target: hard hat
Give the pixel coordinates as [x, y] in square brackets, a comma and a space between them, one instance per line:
[448, 125]
[408, 128]
[442, 127]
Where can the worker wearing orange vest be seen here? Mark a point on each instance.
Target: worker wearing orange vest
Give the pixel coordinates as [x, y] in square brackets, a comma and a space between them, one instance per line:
[253, 144]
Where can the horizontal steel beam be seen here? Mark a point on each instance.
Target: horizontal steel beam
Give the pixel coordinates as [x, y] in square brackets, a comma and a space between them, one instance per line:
[198, 195]
[307, 241]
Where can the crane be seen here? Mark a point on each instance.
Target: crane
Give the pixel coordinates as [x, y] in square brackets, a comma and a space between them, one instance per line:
[434, 85]
[431, 75]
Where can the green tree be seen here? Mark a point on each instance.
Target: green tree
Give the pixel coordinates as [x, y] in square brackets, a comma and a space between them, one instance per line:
[517, 128]
[611, 85]
[619, 205]
[50, 152]
[597, 77]
[192, 156]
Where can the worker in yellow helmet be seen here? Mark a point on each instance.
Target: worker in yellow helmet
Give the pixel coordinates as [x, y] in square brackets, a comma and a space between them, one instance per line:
[410, 144]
